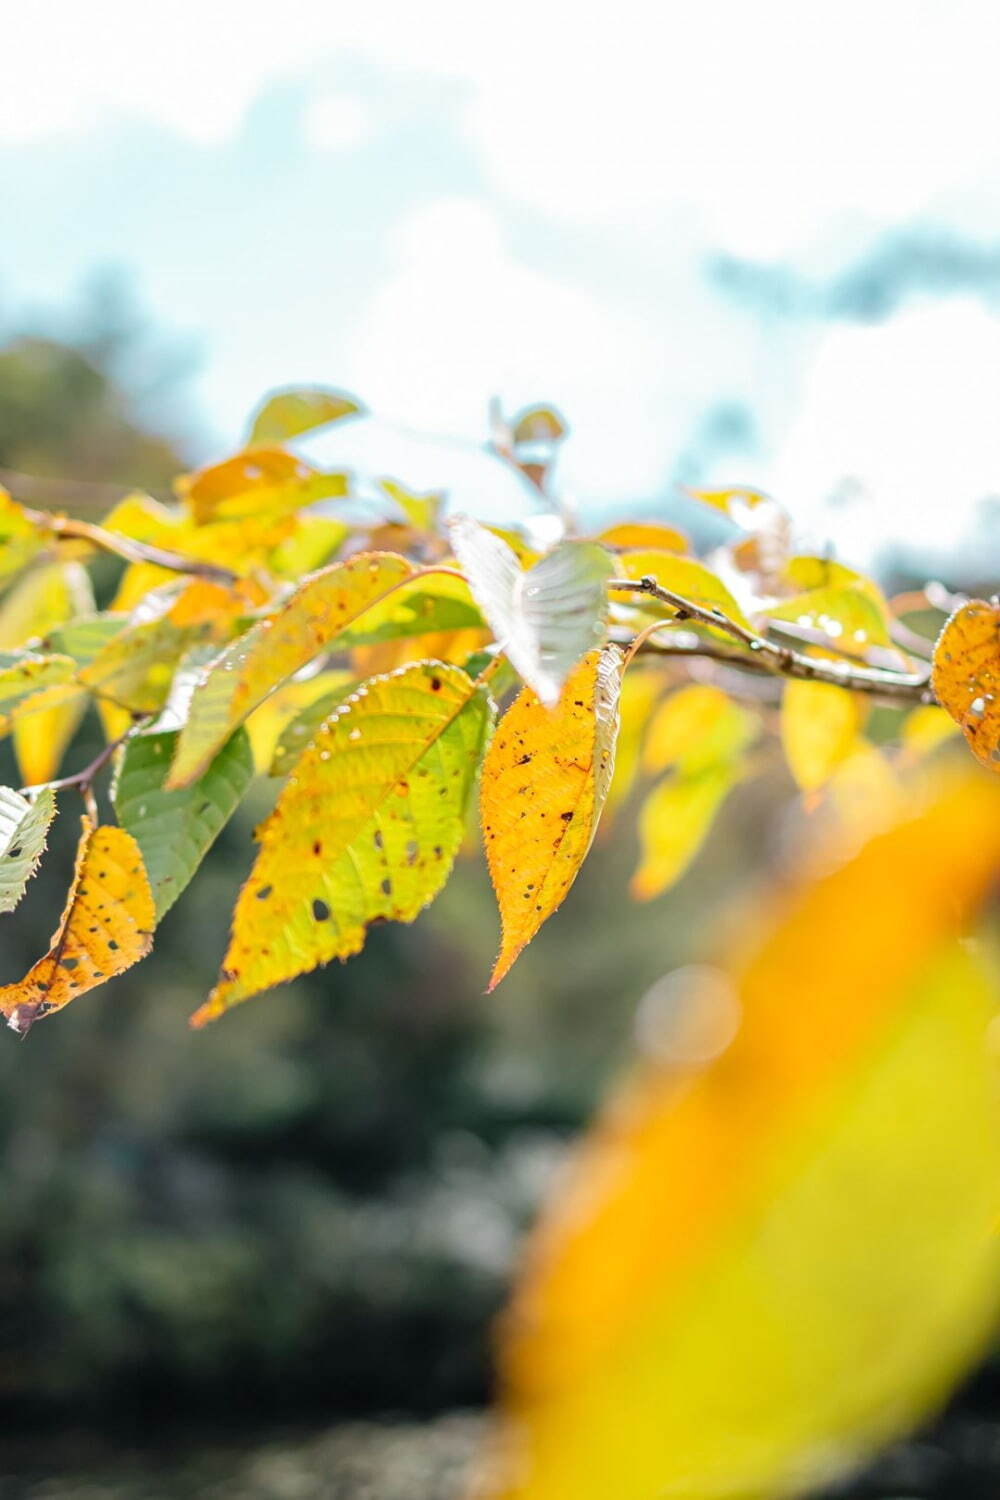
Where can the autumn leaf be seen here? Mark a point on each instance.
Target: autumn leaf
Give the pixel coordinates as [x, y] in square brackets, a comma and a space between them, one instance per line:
[319, 610]
[421, 511]
[299, 730]
[260, 482]
[778, 1247]
[643, 536]
[820, 729]
[24, 674]
[854, 617]
[681, 575]
[674, 822]
[106, 927]
[544, 782]
[20, 538]
[24, 825]
[544, 618]
[966, 676]
[298, 409]
[366, 828]
[731, 502]
[175, 829]
[698, 725]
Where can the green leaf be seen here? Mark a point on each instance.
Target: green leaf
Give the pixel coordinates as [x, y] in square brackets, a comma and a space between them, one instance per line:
[366, 828]
[544, 619]
[175, 829]
[250, 669]
[418, 613]
[297, 409]
[23, 827]
[83, 638]
[296, 735]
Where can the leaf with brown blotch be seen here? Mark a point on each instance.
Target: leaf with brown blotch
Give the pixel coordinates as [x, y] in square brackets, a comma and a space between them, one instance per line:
[107, 927]
[544, 782]
[966, 676]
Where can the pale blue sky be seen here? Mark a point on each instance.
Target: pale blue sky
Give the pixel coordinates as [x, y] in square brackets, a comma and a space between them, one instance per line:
[429, 205]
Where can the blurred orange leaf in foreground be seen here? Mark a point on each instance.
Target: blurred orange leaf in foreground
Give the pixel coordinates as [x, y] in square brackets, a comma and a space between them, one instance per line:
[766, 1262]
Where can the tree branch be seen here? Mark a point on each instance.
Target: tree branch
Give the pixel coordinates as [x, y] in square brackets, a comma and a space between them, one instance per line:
[129, 549]
[781, 661]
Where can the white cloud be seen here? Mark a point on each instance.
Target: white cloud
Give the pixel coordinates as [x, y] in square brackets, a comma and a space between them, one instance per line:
[335, 122]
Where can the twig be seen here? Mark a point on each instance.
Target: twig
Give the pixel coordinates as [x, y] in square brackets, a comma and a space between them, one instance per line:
[84, 779]
[128, 548]
[782, 661]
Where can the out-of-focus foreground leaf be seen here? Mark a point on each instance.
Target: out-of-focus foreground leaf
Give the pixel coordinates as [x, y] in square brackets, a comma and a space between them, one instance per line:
[544, 782]
[289, 413]
[767, 1264]
[106, 927]
[366, 829]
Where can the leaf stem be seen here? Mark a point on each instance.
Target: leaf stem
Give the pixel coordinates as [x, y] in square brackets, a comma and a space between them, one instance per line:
[84, 779]
[782, 661]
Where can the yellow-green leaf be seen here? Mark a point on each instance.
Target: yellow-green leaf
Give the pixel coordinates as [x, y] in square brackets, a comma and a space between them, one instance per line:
[246, 672]
[674, 822]
[681, 575]
[289, 413]
[106, 927]
[257, 483]
[851, 616]
[296, 734]
[422, 511]
[779, 1246]
[366, 828]
[544, 782]
[20, 538]
[696, 726]
[26, 674]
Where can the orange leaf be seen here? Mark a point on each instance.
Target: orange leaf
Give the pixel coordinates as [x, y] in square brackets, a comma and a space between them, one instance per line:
[107, 926]
[966, 676]
[544, 781]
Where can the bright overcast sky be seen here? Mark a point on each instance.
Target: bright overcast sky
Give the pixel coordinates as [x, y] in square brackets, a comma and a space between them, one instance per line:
[431, 203]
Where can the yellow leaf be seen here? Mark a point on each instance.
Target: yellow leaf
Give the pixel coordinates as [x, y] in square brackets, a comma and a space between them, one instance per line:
[779, 1245]
[682, 575]
[820, 725]
[288, 413]
[543, 786]
[639, 692]
[267, 723]
[696, 726]
[966, 676]
[319, 610]
[924, 730]
[851, 616]
[44, 724]
[732, 501]
[106, 927]
[20, 539]
[259, 482]
[643, 536]
[674, 822]
[421, 511]
[366, 828]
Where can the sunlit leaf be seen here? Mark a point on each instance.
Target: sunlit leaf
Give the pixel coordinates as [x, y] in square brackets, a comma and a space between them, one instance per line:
[544, 618]
[778, 1247]
[251, 668]
[639, 692]
[23, 675]
[106, 927]
[175, 830]
[807, 572]
[820, 725]
[697, 726]
[850, 615]
[259, 482]
[366, 828]
[289, 413]
[421, 511]
[24, 825]
[20, 538]
[643, 536]
[314, 542]
[674, 822]
[287, 704]
[298, 731]
[966, 676]
[924, 729]
[544, 781]
[681, 575]
[732, 502]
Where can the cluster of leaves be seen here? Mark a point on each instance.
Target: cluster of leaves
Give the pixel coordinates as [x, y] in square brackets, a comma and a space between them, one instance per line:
[259, 627]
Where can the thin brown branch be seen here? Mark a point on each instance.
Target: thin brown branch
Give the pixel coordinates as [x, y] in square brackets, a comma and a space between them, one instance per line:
[84, 779]
[129, 548]
[783, 661]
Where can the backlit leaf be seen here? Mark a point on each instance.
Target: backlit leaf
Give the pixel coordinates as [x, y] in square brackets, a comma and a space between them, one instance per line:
[319, 610]
[544, 782]
[20, 539]
[778, 1247]
[366, 828]
[820, 725]
[639, 692]
[674, 822]
[106, 927]
[288, 413]
[174, 830]
[544, 618]
[696, 726]
[23, 828]
[732, 502]
[24, 675]
[643, 536]
[297, 733]
[421, 511]
[681, 575]
[853, 617]
[966, 676]
[257, 483]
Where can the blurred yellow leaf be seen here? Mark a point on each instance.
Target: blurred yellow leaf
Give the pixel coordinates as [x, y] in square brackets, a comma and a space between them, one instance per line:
[20, 538]
[421, 511]
[820, 725]
[850, 615]
[731, 501]
[544, 781]
[639, 692]
[773, 1259]
[106, 927]
[924, 729]
[681, 575]
[289, 413]
[966, 676]
[259, 482]
[696, 726]
[674, 822]
[643, 536]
